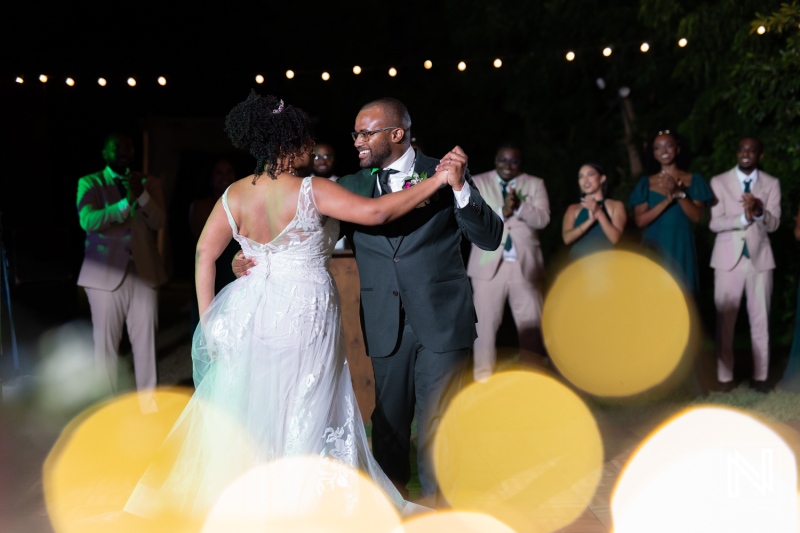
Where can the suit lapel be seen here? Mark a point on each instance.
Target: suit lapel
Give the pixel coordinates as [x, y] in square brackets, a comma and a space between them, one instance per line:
[734, 186]
[758, 186]
[421, 164]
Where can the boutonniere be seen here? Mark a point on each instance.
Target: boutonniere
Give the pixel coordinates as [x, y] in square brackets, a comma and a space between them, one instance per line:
[412, 180]
[522, 196]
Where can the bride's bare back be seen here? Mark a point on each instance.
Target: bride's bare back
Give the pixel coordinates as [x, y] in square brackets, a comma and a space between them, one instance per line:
[262, 211]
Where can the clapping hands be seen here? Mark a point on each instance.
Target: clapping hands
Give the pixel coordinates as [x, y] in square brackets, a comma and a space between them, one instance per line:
[512, 202]
[592, 206]
[753, 207]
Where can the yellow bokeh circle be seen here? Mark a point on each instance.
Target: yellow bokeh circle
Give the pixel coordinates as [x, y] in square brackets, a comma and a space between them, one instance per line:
[715, 469]
[461, 521]
[520, 447]
[303, 494]
[101, 455]
[616, 323]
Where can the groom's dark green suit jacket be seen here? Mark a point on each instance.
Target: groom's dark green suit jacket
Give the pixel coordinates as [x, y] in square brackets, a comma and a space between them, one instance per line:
[415, 262]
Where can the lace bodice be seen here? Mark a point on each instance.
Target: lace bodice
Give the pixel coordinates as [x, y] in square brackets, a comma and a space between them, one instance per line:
[307, 242]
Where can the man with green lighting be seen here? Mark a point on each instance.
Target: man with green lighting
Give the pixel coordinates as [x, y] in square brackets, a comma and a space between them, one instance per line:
[120, 210]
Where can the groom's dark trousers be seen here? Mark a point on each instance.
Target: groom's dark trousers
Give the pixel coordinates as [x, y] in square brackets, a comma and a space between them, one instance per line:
[417, 315]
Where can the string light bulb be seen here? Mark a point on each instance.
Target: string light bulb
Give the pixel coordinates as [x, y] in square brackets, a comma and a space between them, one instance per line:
[290, 74]
[683, 42]
[570, 55]
[607, 51]
[645, 47]
[498, 63]
[101, 82]
[462, 66]
[259, 79]
[132, 82]
[162, 80]
[20, 79]
[70, 82]
[356, 70]
[393, 72]
[326, 76]
[761, 30]
[43, 78]
[428, 64]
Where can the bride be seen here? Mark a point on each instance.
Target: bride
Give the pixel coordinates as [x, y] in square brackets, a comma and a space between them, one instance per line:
[268, 355]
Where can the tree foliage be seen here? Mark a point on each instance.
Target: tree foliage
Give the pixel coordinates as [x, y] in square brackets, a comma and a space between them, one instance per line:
[742, 82]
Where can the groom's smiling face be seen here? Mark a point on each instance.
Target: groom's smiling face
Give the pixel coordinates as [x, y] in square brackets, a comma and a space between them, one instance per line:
[377, 149]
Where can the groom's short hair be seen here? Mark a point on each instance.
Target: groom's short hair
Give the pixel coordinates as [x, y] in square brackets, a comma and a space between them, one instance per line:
[394, 109]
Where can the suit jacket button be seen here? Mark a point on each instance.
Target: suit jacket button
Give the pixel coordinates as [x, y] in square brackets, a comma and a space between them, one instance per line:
[395, 293]
[396, 259]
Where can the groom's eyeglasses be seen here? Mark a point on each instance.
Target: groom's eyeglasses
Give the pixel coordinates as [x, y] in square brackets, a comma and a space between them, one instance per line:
[324, 157]
[367, 134]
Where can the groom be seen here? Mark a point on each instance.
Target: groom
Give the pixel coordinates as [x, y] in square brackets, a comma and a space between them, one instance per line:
[417, 313]
[416, 303]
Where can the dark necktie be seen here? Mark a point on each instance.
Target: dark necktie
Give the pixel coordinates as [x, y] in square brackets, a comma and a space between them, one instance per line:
[504, 185]
[745, 251]
[383, 179]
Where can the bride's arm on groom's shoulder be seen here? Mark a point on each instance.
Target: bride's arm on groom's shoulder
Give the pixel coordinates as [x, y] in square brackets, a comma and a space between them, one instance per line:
[335, 201]
[212, 242]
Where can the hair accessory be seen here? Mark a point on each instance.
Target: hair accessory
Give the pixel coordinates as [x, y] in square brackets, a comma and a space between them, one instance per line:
[278, 109]
[660, 132]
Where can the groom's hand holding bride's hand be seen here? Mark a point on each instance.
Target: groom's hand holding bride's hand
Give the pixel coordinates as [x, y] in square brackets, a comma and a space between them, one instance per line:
[456, 162]
[241, 265]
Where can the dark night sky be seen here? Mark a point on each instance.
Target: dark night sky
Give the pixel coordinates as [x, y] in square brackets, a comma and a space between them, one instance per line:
[210, 58]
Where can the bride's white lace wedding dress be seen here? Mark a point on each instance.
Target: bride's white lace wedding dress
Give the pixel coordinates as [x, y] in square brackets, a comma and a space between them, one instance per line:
[271, 375]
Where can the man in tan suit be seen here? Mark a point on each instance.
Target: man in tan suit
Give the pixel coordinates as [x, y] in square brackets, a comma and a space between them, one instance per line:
[747, 209]
[120, 210]
[513, 272]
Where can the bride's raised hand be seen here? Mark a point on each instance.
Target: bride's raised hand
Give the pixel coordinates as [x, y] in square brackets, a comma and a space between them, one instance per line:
[442, 174]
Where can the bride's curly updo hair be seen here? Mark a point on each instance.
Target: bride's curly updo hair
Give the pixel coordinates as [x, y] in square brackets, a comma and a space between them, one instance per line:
[269, 130]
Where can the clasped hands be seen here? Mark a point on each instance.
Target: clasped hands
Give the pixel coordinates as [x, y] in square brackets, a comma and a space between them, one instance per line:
[136, 183]
[753, 207]
[670, 184]
[454, 163]
[592, 205]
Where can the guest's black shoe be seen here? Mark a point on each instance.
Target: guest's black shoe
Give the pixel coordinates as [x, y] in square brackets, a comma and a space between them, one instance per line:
[726, 386]
[760, 386]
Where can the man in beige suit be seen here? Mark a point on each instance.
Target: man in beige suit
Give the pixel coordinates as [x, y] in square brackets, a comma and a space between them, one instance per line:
[120, 210]
[747, 209]
[513, 272]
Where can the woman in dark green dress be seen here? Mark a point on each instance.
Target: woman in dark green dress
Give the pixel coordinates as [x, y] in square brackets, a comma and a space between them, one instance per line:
[666, 204]
[791, 377]
[596, 222]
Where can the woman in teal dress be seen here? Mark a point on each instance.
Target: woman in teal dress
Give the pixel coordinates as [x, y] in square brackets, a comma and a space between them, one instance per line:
[666, 204]
[596, 222]
[791, 377]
